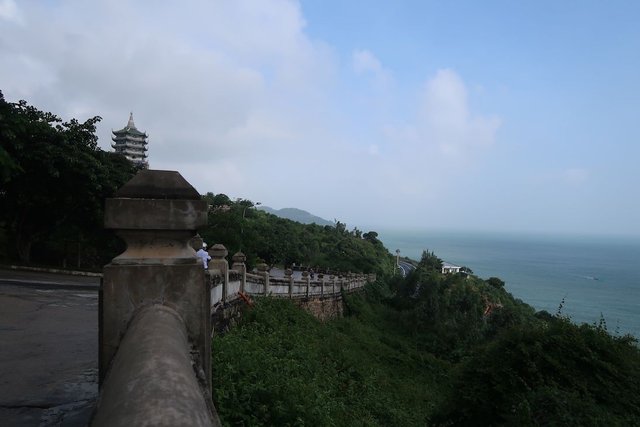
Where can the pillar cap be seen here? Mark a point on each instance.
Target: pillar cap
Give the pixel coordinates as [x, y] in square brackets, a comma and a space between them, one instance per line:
[218, 251]
[158, 184]
[239, 257]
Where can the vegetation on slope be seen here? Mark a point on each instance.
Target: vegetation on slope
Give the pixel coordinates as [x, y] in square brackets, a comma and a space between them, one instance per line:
[265, 237]
[53, 183]
[429, 350]
[283, 367]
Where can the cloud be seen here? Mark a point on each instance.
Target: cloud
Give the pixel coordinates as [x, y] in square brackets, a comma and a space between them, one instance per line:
[446, 120]
[443, 137]
[9, 12]
[575, 176]
[364, 62]
[241, 100]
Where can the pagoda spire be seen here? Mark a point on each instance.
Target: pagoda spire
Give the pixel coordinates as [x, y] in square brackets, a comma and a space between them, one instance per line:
[130, 124]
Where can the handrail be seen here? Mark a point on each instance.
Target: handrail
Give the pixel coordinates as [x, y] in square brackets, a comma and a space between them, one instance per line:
[283, 287]
[151, 380]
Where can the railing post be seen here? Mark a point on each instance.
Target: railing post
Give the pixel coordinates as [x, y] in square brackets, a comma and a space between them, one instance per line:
[156, 213]
[333, 284]
[307, 279]
[238, 265]
[218, 261]
[288, 275]
[263, 270]
[321, 278]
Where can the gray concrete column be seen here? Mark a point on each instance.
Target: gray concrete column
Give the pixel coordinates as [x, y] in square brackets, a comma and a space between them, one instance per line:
[288, 275]
[157, 214]
[307, 280]
[263, 270]
[321, 278]
[239, 265]
[218, 261]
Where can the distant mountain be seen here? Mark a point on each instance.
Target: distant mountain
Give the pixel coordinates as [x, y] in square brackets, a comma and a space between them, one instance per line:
[298, 215]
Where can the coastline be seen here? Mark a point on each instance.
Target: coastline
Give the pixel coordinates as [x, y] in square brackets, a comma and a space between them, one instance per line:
[595, 276]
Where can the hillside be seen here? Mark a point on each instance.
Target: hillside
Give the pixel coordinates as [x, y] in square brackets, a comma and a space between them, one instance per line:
[264, 237]
[297, 215]
[431, 349]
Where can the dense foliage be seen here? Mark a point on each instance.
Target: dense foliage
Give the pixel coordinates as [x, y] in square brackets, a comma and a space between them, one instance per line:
[53, 183]
[283, 367]
[278, 241]
[54, 180]
[431, 349]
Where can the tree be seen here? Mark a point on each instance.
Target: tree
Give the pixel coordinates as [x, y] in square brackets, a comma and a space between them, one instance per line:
[57, 178]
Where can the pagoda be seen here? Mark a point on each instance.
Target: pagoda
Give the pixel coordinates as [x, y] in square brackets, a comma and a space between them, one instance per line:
[131, 143]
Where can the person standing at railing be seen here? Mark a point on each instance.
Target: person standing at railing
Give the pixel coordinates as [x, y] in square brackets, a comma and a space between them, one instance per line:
[204, 255]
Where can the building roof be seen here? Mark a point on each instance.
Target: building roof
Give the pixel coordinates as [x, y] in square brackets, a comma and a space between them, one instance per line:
[129, 129]
[449, 265]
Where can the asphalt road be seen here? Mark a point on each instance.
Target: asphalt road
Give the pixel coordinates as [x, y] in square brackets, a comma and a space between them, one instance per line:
[405, 268]
[48, 349]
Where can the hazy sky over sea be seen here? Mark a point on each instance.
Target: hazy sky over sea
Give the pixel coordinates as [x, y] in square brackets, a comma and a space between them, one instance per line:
[487, 115]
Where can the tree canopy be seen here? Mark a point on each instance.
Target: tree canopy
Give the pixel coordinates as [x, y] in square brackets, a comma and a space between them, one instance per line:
[53, 184]
[266, 237]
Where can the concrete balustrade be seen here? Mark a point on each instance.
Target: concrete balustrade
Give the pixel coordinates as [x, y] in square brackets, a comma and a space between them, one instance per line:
[262, 284]
[151, 381]
[154, 317]
[156, 305]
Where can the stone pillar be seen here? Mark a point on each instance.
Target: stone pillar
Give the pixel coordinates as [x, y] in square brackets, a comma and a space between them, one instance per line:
[239, 265]
[263, 270]
[333, 284]
[321, 279]
[288, 275]
[156, 213]
[307, 279]
[218, 261]
[196, 242]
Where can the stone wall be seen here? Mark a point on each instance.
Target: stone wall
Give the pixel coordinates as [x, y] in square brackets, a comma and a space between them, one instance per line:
[323, 309]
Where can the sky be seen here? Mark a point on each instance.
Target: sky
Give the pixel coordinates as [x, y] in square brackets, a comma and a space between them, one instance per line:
[461, 115]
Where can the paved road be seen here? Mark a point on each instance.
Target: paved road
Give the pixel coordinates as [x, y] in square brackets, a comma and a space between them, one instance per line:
[48, 349]
[405, 268]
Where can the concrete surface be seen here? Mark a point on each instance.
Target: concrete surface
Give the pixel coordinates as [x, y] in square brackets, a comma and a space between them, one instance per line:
[151, 381]
[48, 349]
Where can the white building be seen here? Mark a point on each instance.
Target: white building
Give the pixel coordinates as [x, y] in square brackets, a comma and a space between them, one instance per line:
[450, 268]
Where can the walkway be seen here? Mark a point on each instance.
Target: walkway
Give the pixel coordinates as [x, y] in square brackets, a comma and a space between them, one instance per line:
[48, 349]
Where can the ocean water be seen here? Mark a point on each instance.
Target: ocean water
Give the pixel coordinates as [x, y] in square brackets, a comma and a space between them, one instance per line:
[596, 276]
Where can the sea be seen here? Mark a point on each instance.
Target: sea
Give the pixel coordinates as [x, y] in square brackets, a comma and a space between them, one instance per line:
[591, 277]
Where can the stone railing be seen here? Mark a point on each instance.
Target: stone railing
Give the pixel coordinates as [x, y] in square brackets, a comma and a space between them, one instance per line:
[227, 284]
[157, 300]
[154, 317]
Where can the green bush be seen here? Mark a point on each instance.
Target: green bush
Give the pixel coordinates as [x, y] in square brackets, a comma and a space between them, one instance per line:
[281, 366]
[555, 373]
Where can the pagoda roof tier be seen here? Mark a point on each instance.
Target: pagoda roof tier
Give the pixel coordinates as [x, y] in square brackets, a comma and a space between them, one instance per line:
[129, 138]
[131, 151]
[129, 129]
[129, 148]
[128, 144]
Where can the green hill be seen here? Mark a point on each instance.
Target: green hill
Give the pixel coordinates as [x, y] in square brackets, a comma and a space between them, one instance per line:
[432, 349]
[297, 215]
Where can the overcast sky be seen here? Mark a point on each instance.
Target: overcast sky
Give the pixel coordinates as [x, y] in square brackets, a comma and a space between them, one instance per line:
[478, 115]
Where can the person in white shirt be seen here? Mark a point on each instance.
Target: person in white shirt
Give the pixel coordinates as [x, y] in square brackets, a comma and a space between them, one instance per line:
[204, 255]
